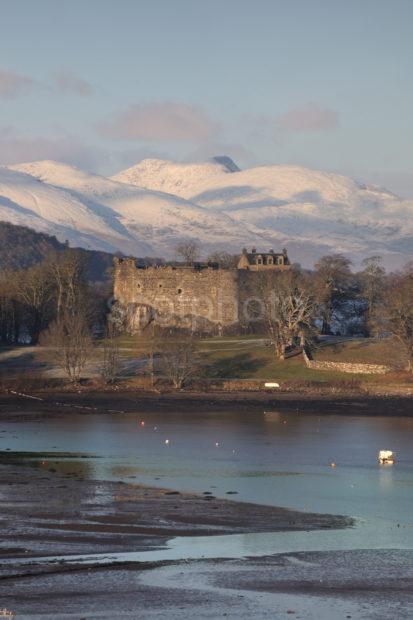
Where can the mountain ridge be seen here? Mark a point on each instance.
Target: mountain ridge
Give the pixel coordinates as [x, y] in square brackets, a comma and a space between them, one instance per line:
[151, 206]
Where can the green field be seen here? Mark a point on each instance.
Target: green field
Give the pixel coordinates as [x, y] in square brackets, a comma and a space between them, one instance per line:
[251, 357]
[361, 350]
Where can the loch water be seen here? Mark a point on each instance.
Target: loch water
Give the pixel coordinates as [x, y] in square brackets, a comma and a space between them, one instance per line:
[267, 457]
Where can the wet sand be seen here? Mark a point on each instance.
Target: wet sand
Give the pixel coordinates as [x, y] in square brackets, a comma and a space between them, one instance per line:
[50, 509]
[357, 585]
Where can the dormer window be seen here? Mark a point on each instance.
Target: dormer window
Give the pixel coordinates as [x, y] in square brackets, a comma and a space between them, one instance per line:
[270, 260]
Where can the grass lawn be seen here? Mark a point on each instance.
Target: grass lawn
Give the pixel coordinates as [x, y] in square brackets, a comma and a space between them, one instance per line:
[251, 357]
[361, 350]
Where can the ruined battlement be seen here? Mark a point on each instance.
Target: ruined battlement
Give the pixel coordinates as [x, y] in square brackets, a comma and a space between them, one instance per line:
[201, 296]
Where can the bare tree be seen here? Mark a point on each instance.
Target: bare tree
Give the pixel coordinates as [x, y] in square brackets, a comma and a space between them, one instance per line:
[332, 279]
[188, 251]
[372, 279]
[179, 359]
[288, 309]
[224, 259]
[68, 343]
[398, 312]
[110, 366]
[67, 272]
[35, 291]
[10, 309]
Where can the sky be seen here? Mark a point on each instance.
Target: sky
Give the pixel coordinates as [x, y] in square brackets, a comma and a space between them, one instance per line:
[103, 84]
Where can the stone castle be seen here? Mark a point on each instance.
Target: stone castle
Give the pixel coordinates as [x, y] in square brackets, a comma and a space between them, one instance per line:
[202, 297]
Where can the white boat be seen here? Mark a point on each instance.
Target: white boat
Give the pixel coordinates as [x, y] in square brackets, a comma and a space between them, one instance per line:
[386, 457]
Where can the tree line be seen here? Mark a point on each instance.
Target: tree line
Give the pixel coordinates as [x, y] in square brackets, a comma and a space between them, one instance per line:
[332, 298]
[297, 305]
[54, 304]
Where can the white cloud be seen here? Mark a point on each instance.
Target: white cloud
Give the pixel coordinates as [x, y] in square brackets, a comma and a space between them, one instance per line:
[13, 85]
[309, 117]
[160, 122]
[17, 148]
[68, 82]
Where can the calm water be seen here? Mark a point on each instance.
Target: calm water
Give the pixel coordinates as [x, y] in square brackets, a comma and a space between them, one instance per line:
[268, 457]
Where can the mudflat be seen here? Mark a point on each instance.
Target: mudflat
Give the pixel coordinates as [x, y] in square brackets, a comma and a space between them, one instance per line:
[123, 401]
[52, 507]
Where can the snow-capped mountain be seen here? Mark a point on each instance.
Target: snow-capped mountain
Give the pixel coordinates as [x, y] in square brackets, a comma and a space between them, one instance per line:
[149, 208]
[175, 178]
[312, 212]
[93, 211]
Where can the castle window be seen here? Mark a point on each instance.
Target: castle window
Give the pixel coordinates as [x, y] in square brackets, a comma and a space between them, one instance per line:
[159, 285]
[179, 291]
[259, 261]
[270, 260]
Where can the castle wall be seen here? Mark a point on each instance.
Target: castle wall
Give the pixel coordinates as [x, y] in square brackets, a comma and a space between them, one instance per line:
[180, 295]
[203, 299]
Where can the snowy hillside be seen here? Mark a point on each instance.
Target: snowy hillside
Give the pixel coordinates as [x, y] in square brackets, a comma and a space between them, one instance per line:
[312, 212]
[94, 211]
[174, 178]
[149, 208]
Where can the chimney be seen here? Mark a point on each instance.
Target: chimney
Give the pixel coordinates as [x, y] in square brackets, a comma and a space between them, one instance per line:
[254, 250]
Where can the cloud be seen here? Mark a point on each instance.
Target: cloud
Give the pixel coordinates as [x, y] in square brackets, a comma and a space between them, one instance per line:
[16, 148]
[13, 85]
[309, 117]
[160, 122]
[68, 82]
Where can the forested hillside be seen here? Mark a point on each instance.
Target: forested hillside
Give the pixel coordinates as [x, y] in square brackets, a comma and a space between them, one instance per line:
[22, 247]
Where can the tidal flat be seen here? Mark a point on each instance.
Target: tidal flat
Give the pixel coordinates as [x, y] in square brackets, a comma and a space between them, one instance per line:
[209, 512]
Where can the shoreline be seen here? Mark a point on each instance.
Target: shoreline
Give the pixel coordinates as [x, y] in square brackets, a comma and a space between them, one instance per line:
[12, 404]
[302, 584]
[51, 508]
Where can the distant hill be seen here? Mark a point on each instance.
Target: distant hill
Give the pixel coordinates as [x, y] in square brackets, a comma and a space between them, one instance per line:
[99, 213]
[22, 247]
[149, 208]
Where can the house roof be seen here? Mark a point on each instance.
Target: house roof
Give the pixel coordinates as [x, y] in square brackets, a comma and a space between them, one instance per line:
[251, 256]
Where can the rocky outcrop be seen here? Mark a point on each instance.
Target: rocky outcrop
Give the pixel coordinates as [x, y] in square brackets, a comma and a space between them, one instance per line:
[131, 318]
